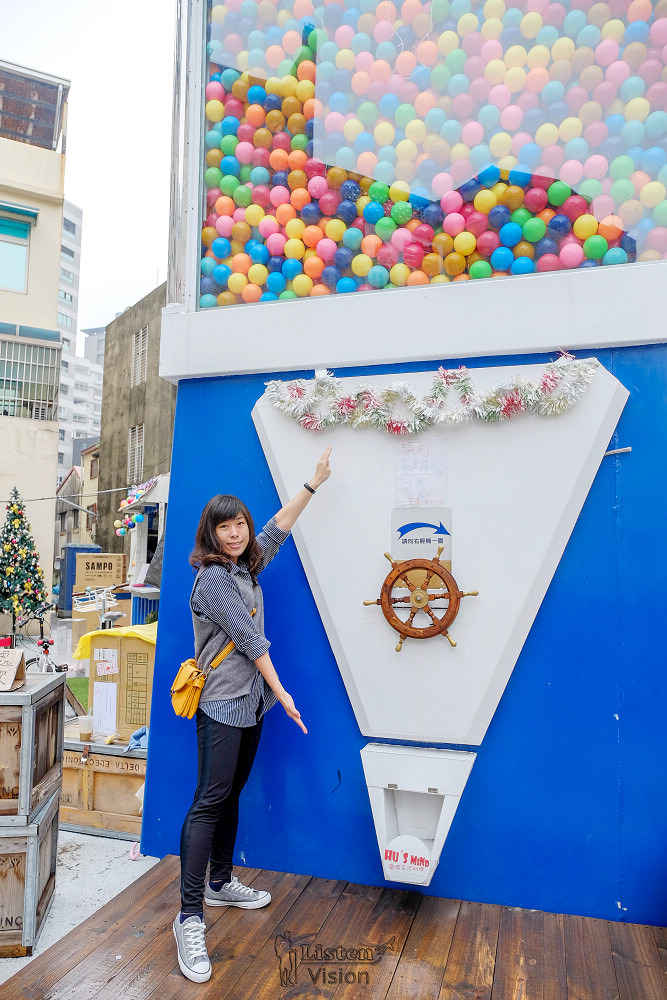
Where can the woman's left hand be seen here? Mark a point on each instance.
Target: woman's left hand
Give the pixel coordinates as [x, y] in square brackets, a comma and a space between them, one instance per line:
[322, 469]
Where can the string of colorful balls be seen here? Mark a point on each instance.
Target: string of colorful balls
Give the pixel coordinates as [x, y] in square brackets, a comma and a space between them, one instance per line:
[130, 521]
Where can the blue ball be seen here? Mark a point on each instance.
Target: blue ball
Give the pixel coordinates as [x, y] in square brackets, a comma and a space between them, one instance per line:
[268, 297]
[469, 189]
[510, 234]
[559, 225]
[344, 284]
[373, 212]
[499, 216]
[378, 276]
[501, 259]
[280, 178]
[258, 253]
[291, 268]
[275, 265]
[522, 265]
[310, 213]
[256, 94]
[350, 190]
[489, 174]
[520, 177]
[221, 247]
[207, 265]
[208, 286]
[276, 282]
[347, 211]
[207, 301]
[273, 102]
[433, 215]
[331, 276]
[221, 274]
[546, 245]
[343, 258]
[229, 125]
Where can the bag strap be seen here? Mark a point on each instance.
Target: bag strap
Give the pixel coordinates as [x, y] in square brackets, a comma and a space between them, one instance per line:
[225, 651]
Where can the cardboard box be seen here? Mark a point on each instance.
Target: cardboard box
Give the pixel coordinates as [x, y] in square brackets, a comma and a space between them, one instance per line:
[31, 746]
[126, 666]
[99, 569]
[28, 866]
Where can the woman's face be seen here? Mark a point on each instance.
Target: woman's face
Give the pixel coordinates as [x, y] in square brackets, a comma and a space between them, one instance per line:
[233, 536]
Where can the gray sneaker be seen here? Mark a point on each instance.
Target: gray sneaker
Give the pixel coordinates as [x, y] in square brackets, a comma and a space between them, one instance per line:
[235, 893]
[192, 955]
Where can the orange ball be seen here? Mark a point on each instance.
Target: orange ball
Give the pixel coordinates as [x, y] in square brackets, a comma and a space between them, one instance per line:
[299, 197]
[443, 244]
[366, 163]
[454, 263]
[263, 138]
[255, 115]
[251, 293]
[306, 71]
[417, 278]
[546, 215]
[241, 232]
[240, 263]
[225, 205]
[240, 88]
[285, 212]
[463, 277]
[297, 159]
[311, 236]
[296, 124]
[611, 227]
[313, 266]
[275, 121]
[227, 299]
[336, 177]
[432, 264]
[278, 159]
[312, 108]
[320, 290]
[371, 244]
[296, 179]
[291, 106]
[213, 157]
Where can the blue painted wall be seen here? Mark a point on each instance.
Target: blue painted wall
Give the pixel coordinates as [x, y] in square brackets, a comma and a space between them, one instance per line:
[565, 808]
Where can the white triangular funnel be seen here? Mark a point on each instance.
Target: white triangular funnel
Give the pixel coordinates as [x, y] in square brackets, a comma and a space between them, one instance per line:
[509, 493]
[414, 793]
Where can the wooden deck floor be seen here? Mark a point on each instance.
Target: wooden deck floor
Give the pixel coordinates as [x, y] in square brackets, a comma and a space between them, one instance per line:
[335, 939]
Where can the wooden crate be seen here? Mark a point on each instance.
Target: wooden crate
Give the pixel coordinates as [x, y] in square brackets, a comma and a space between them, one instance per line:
[31, 746]
[28, 877]
[99, 793]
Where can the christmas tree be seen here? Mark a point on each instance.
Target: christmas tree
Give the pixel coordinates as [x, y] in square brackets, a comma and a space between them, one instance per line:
[21, 578]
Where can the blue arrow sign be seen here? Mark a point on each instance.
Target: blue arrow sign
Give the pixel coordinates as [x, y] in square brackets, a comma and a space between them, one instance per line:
[438, 529]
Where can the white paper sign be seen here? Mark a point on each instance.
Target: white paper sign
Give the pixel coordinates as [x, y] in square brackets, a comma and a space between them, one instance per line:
[421, 473]
[106, 661]
[104, 707]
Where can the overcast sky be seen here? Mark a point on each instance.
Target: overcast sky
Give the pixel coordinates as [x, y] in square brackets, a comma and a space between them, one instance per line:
[118, 56]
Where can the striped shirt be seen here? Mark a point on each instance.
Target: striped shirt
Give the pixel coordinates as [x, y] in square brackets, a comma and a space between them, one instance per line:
[221, 602]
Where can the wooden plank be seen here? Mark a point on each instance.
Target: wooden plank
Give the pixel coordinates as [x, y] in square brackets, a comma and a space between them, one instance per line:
[638, 964]
[74, 950]
[422, 966]
[233, 938]
[660, 935]
[555, 984]
[524, 967]
[276, 961]
[470, 967]
[588, 963]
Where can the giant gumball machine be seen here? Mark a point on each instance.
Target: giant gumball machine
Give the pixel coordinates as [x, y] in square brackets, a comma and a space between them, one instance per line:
[431, 234]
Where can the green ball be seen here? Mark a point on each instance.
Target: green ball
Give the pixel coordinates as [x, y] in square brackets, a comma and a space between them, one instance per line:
[299, 141]
[456, 61]
[595, 247]
[229, 184]
[660, 214]
[439, 10]
[521, 215]
[228, 144]
[440, 77]
[367, 113]
[558, 192]
[213, 176]
[622, 190]
[244, 172]
[378, 192]
[481, 269]
[385, 228]
[288, 294]
[404, 114]
[534, 230]
[401, 212]
[242, 196]
[589, 188]
[621, 167]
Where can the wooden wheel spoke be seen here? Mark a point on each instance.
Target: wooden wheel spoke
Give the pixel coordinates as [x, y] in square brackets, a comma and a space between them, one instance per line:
[400, 600]
[405, 579]
[442, 595]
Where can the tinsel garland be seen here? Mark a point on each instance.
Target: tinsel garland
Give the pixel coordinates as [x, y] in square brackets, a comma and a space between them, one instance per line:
[321, 403]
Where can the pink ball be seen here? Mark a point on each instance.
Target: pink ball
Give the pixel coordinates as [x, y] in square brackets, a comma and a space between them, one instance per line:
[211, 219]
[261, 195]
[548, 262]
[519, 141]
[656, 95]
[571, 172]
[224, 226]
[658, 32]
[282, 140]
[453, 223]
[363, 63]
[474, 67]
[343, 36]
[233, 106]
[442, 184]
[261, 157]
[606, 52]
[596, 166]
[476, 223]
[595, 134]
[575, 97]
[401, 238]
[571, 255]
[472, 133]
[326, 249]
[212, 196]
[535, 199]
[527, 100]
[553, 156]
[657, 239]
[329, 202]
[388, 255]
[472, 43]
[451, 202]
[279, 195]
[617, 72]
[605, 93]
[275, 244]
[479, 90]
[574, 206]
[267, 226]
[461, 170]
[317, 186]
[511, 117]
[413, 254]
[423, 234]
[487, 242]
[244, 152]
[500, 95]
[245, 132]
[214, 91]
[650, 71]
[490, 50]
[334, 121]
[602, 206]
[463, 106]
[239, 215]
[554, 15]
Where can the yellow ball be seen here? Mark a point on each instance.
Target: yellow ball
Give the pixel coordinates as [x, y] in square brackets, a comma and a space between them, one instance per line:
[254, 215]
[495, 71]
[494, 8]
[466, 24]
[399, 274]
[500, 144]
[570, 128]
[637, 109]
[219, 13]
[614, 29]
[273, 86]
[652, 194]
[508, 162]
[345, 59]
[586, 225]
[515, 79]
[361, 203]
[294, 249]
[384, 134]
[415, 130]
[257, 274]
[440, 279]
[352, 128]
[305, 90]
[546, 135]
[215, 111]
[294, 229]
[335, 230]
[484, 201]
[399, 191]
[288, 85]
[563, 48]
[460, 151]
[447, 42]
[237, 282]
[406, 150]
[539, 55]
[491, 29]
[515, 56]
[465, 243]
[361, 265]
[302, 284]
[531, 24]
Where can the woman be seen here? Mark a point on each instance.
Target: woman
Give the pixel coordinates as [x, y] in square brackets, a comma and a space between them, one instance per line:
[226, 603]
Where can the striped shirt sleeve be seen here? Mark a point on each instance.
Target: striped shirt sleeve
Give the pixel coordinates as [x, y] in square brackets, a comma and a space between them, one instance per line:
[217, 597]
[270, 538]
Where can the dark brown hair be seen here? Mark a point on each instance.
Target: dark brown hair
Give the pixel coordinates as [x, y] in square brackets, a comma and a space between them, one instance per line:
[207, 547]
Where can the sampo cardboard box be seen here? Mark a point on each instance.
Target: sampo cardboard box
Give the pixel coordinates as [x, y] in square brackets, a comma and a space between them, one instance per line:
[99, 569]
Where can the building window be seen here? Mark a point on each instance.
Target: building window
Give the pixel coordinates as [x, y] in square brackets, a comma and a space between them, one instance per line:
[64, 320]
[61, 434]
[69, 226]
[67, 275]
[135, 455]
[139, 357]
[63, 521]
[14, 241]
[61, 457]
[65, 296]
[94, 468]
[29, 377]
[75, 520]
[66, 251]
[64, 364]
[91, 517]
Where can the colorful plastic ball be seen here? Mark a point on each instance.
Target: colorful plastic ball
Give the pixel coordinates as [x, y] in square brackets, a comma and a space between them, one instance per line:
[291, 267]
[615, 255]
[558, 193]
[378, 276]
[595, 247]
[499, 216]
[533, 230]
[345, 284]
[481, 269]
[584, 226]
[510, 234]
[571, 255]
[522, 265]
[502, 258]
[454, 264]
[559, 225]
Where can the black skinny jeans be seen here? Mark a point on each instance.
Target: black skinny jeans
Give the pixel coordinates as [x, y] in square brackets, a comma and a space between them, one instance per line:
[226, 755]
